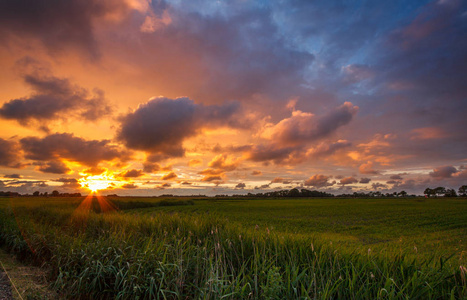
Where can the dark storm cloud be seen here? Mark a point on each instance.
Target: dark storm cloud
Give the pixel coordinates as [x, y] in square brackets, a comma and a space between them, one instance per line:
[70, 147]
[55, 98]
[59, 25]
[9, 154]
[396, 177]
[161, 125]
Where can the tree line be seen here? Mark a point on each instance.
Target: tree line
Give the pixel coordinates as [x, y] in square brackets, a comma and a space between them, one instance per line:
[444, 192]
[39, 194]
[293, 193]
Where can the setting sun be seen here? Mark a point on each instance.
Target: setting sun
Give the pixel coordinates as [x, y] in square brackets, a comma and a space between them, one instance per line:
[96, 182]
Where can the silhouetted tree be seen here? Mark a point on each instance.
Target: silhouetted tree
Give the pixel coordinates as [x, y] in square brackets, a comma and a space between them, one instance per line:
[36, 193]
[463, 190]
[429, 192]
[440, 190]
[55, 194]
[450, 193]
[294, 193]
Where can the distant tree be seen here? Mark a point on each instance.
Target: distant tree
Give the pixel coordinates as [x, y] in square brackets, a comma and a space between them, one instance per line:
[450, 193]
[440, 191]
[36, 193]
[463, 190]
[55, 194]
[402, 194]
[294, 193]
[429, 192]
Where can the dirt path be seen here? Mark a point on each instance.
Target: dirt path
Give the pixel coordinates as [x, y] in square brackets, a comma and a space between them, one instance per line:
[5, 289]
[29, 280]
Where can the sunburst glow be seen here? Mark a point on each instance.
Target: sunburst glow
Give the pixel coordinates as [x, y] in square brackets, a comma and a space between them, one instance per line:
[96, 182]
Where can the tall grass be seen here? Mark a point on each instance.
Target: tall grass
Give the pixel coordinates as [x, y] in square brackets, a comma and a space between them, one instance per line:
[93, 255]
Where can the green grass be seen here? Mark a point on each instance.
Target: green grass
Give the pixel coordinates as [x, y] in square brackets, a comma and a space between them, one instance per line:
[425, 226]
[257, 249]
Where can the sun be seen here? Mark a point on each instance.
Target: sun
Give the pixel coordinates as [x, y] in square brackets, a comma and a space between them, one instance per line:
[95, 183]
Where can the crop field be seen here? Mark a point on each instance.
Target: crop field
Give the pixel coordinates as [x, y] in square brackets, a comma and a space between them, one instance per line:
[240, 248]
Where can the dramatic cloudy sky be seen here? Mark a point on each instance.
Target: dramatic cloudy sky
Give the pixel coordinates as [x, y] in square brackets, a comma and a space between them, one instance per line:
[207, 97]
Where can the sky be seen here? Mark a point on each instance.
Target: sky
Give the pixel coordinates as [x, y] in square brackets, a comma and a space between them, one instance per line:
[141, 97]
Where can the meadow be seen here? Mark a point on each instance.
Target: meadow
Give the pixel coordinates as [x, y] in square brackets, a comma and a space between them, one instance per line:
[188, 248]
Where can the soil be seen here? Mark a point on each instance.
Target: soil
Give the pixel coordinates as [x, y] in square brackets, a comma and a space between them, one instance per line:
[5, 288]
[30, 281]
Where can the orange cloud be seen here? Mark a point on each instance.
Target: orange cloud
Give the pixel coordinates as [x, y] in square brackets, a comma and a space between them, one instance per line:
[131, 173]
[221, 161]
[169, 176]
[194, 162]
[304, 127]
[348, 180]
[319, 181]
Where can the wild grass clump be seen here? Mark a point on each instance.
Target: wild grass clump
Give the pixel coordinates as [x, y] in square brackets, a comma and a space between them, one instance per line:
[173, 256]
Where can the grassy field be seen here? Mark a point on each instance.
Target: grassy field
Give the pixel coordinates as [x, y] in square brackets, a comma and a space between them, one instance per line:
[422, 226]
[182, 248]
